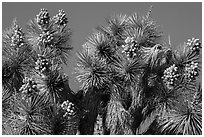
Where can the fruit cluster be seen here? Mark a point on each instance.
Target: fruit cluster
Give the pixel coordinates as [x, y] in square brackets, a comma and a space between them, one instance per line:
[29, 87]
[191, 71]
[17, 37]
[130, 47]
[43, 18]
[170, 76]
[61, 19]
[42, 64]
[194, 44]
[69, 108]
[46, 38]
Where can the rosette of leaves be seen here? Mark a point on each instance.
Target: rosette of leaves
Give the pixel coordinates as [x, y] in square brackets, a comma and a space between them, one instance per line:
[51, 34]
[145, 29]
[185, 121]
[117, 24]
[188, 61]
[92, 71]
[53, 84]
[144, 76]
[175, 116]
[66, 119]
[16, 57]
[102, 47]
[30, 118]
[7, 112]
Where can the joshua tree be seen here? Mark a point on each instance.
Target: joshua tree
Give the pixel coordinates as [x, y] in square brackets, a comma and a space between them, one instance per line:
[136, 83]
[133, 82]
[36, 94]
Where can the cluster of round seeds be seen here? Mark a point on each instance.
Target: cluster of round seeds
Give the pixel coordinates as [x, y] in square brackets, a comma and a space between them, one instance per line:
[191, 70]
[60, 18]
[43, 18]
[69, 108]
[130, 47]
[170, 76]
[45, 38]
[17, 37]
[29, 87]
[42, 63]
[194, 44]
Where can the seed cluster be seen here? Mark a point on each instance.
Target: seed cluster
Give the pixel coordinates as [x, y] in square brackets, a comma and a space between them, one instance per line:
[191, 70]
[69, 108]
[60, 18]
[194, 44]
[42, 64]
[46, 38]
[29, 87]
[17, 37]
[170, 76]
[43, 18]
[130, 48]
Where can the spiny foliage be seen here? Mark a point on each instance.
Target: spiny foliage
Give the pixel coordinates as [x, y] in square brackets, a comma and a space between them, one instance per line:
[151, 78]
[139, 82]
[15, 57]
[33, 81]
[50, 33]
[93, 71]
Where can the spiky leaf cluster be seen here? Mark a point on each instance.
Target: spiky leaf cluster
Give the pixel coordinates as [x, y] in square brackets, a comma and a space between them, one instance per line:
[151, 77]
[145, 29]
[45, 33]
[52, 84]
[16, 56]
[32, 72]
[92, 71]
[30, 115]
[187, 121]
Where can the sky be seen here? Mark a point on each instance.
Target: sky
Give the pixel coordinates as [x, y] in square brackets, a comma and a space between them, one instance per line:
[180, 21]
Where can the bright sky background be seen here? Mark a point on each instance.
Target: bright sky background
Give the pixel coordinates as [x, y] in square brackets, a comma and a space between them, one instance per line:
[179, 20]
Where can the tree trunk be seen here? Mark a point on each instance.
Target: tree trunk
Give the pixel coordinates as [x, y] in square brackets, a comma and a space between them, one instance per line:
[90, 103]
